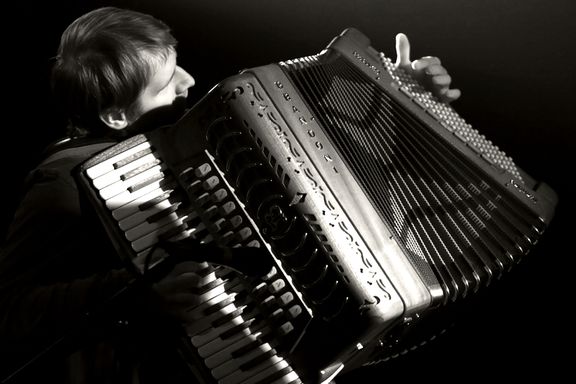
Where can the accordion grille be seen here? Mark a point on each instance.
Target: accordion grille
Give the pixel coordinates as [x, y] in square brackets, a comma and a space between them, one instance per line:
[444, 210]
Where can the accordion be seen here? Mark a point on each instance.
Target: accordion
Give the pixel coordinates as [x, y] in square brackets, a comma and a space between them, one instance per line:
[379, 207]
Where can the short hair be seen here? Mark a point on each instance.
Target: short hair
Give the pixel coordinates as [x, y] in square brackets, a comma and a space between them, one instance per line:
[105, 59]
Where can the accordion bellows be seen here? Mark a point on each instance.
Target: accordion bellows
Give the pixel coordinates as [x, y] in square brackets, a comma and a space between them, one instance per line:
[378, 205]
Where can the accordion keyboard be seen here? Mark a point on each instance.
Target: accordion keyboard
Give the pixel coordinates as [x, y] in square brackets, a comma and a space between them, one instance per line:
[245, 324]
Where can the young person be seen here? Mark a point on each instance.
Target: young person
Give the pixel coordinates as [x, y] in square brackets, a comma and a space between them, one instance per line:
[69, 309]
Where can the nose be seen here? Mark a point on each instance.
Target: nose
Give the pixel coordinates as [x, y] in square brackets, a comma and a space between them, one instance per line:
[184, 81]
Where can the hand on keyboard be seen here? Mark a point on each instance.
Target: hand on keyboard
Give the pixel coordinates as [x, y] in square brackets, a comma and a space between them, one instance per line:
[181, 289]
[185, 275]
[250, 261]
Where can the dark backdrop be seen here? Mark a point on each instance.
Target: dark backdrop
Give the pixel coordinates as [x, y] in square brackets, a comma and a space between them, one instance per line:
[514, 61]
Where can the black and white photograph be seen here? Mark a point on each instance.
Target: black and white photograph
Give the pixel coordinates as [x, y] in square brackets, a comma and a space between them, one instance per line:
[287, 191]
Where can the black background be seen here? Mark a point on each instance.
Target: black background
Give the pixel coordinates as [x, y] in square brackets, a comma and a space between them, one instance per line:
[514, 62]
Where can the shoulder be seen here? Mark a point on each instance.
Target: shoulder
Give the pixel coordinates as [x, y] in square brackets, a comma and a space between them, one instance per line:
[56, 170]
[74, 150]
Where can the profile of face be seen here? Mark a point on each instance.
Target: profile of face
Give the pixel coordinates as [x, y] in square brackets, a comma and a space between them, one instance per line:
[167, 83]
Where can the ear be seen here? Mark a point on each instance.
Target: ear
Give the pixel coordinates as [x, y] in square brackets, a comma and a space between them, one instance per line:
[114, 118]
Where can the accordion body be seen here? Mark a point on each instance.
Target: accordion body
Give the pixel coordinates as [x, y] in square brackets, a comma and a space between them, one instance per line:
[379, 206]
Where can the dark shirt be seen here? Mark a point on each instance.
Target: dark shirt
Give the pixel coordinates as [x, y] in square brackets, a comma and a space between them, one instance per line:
[69, 309]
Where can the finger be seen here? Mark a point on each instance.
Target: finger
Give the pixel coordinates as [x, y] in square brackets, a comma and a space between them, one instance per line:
[441, 80]
[452, 94]
[188, 282]
[425, 62]
[189, 266]
[448, 95]
[402, 50]
[435, 69]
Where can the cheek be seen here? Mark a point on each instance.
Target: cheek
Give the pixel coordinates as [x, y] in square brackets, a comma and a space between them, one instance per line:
[149, 103]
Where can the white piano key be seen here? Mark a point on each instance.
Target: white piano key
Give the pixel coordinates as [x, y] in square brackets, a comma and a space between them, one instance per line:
[126, 210]
[225, 354]
[116, 174]
[214, 333]
[146, 227]
[108, 164]
[140, 217]
[157, 216]
[151, 238]
[234, 364]
[216, 354]
[128, 197]
[214, 300]
[277, 364]
[206, 322]
[213, 304]
[221, 289]
[259, 372]
[289, 378]
[123, 185]
[216, 345]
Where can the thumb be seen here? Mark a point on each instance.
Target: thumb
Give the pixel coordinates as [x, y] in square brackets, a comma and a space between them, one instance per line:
[402, 50]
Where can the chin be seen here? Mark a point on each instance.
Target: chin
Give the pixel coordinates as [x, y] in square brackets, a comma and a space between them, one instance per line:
[160, 116]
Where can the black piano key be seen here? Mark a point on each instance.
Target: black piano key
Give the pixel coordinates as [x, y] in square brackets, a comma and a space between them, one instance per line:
[152, 202]
[243, 350]
[144, 167]
[257, 360]
[276, 376]
[163, 213]
[228, 317]
[157, 177]
[238, 328]
[132, 157]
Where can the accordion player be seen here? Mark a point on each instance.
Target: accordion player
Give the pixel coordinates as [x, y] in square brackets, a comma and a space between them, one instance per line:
[380, 208]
